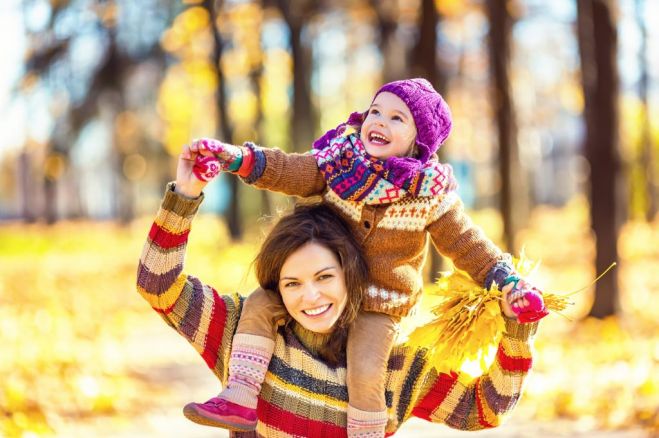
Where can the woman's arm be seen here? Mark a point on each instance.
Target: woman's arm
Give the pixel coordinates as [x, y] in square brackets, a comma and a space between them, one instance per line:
[487, 400]
[454, 235]
[195, 310]
[288, 173]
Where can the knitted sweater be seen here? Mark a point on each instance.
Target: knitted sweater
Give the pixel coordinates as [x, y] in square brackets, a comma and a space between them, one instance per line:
[303, 395]
[393, 236]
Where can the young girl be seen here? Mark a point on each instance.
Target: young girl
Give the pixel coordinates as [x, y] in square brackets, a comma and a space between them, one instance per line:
[386, 181]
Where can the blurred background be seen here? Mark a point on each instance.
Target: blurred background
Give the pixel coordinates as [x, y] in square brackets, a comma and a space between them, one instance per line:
[554, 143]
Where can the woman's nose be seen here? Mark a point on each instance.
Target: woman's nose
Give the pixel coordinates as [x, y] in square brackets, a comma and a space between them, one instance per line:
[311, 293]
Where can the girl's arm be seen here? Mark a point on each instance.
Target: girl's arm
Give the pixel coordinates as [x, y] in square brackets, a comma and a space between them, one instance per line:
[455, 236]
[195, 310]
[288, 173]
[486, 401]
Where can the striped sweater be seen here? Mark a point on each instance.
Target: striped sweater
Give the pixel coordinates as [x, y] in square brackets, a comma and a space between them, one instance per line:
[303, 395]
[394, 236]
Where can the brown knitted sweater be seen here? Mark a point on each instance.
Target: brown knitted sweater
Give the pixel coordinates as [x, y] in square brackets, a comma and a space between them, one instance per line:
[394, 236]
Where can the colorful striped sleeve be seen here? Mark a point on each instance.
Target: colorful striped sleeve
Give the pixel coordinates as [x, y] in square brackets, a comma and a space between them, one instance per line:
[484, 402]
[194, 309]
[289, 173]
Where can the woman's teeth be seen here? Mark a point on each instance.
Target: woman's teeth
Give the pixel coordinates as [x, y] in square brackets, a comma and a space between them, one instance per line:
[317, 310]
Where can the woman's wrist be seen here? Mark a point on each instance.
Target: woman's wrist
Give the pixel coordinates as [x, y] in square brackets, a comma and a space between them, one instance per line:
[191, 191]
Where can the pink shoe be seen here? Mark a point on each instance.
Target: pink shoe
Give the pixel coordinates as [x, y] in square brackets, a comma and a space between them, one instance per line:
[222, 413]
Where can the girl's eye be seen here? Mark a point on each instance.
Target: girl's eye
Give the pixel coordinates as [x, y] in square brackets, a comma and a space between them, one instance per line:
[375, 112]
[397, 118]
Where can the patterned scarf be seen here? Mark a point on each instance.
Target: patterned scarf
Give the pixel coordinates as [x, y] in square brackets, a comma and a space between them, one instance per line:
[354, 175]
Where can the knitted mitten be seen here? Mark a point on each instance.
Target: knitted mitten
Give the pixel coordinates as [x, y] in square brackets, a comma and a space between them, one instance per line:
[518, 289]
[235, 407]
[363, 424]
[225, 157]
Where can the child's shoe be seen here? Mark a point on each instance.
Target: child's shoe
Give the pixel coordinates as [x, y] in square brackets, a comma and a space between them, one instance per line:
[218, 412]
[235, 407]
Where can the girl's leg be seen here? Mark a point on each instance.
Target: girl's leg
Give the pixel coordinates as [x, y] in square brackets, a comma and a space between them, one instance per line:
[366, 373]
[251, 350]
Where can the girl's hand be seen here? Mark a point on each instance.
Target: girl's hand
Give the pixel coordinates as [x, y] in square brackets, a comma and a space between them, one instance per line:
[187, 183]
[214, 157]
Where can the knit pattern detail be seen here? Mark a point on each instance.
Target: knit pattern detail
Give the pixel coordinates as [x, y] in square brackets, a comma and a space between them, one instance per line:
[259, 163]
[354, 175]
[363, 424]
[499, 272]
[301, 394]
[248, 363]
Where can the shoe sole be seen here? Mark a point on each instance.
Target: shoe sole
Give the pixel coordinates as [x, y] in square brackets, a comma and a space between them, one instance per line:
[194, 416]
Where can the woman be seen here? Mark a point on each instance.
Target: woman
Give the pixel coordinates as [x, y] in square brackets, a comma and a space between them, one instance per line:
[319, 273]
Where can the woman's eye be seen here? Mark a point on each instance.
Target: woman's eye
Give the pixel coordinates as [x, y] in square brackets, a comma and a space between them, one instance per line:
[291, 284]
[325, 276]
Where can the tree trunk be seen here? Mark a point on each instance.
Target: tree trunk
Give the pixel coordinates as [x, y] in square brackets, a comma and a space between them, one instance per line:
[424, 64]
[302, 116]
[255, 76]
[647, 155]
[513, 198]
[392, 50]
[232, 215]
[597, 37]
[25, 187]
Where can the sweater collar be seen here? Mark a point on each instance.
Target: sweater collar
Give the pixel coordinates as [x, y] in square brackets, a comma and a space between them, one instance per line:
[313, 341]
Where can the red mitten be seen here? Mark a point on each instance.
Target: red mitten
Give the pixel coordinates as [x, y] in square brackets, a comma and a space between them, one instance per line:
[536, 309]
[224, 157]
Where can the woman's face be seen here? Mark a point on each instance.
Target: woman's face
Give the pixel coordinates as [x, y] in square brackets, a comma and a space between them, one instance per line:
[312, 286]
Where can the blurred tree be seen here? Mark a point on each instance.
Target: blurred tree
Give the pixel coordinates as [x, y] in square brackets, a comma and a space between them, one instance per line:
[256, 76]
[297, 14]
[647, 155]
[513, 194]
[392, 48]
[87, 90]
[424, 63]
[224, 125]
[597, 36]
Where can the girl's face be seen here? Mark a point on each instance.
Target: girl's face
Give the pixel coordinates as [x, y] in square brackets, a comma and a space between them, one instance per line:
[312, 286]
[389, 128]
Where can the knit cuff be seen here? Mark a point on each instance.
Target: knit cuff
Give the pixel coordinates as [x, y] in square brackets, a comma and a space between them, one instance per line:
[520, 331]
[180, 204]
[499, 272]
[258, 166]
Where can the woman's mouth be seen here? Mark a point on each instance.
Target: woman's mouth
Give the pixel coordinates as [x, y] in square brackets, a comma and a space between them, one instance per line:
[377, 138]
[317, 311]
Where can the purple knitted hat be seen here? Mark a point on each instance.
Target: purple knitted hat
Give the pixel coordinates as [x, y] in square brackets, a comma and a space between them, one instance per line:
[431, 114]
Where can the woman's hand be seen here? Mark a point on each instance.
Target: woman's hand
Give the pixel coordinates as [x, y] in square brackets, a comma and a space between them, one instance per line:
[187, 182]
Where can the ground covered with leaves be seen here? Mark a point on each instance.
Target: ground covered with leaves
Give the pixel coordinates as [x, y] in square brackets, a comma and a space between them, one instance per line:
[83, 355]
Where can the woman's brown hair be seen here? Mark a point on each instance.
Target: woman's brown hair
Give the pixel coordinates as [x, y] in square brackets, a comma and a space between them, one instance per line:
[319, 224]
